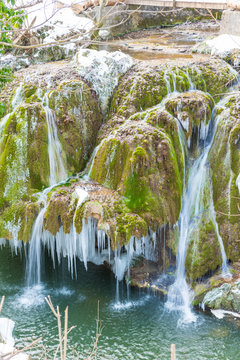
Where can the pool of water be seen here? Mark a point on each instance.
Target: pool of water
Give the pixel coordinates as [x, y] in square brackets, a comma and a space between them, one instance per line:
[157, 46]
[136, 328]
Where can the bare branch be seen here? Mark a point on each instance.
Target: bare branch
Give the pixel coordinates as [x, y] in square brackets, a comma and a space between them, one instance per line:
[99, 329]
[232, 215]
[16, 352]
[1, 303]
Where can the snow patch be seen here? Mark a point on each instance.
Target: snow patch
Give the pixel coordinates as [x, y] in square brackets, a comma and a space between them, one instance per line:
[223, 44]
[7, 340]
[102, 69]
[220, 314]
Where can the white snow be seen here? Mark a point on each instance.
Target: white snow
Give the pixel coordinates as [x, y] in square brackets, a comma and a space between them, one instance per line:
[103, 70]
[238, 182]
[81, 195]
[7, 340]
[6, 329]
[220, 314]
[62, 21]
[223, 43]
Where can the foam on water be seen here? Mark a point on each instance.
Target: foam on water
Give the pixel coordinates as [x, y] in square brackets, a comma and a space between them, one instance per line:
[31, 296]
[126, 305]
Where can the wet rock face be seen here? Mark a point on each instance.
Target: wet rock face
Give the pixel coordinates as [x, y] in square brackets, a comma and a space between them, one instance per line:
[225, 164]
[226, 297]
[78, 121]
[193, 110]
[145, 86]
[139, 161]
[103, 205]
[24, 138]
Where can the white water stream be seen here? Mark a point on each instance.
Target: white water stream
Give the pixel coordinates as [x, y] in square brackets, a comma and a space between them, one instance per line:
[57, 173]
[179, 295]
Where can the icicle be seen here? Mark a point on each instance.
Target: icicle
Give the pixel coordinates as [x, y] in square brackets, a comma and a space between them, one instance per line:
[238, 182]
[2, 242]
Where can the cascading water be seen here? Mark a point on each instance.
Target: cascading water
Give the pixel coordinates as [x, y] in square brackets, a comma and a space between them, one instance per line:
[57, 171]
[179, 295]
[57, 174]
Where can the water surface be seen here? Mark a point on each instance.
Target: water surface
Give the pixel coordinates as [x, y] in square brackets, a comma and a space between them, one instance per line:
[138, 328]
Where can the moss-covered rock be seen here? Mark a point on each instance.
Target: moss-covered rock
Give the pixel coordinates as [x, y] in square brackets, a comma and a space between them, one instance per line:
[78, 121]
[224, 297]
[203, 254]
[105, 206]
[193, 110]
[224, 160]
[24, 153]
[146, 85]
[16, 220]
[140, 161]
[24, 137]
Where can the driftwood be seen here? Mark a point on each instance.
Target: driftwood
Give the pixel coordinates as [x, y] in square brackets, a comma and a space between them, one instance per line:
[79, 8]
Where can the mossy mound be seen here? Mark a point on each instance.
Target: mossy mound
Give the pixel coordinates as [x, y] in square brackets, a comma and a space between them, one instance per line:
[139, 160]
[193, 110]
[224, 160]
[24, 137]
[144, 86]
[203, 254]
[106, 206]
[24, 167]
[78, 121]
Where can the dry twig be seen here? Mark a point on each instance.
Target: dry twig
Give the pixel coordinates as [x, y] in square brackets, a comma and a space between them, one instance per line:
[1, 303]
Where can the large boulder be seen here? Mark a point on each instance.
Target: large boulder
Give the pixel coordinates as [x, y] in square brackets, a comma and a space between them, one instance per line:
[140, 160]
[193, 110]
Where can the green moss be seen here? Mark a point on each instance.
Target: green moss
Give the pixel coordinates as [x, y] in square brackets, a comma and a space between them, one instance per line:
[224, 159]
[203, 254]
[128, 225]
[59, 212]
[31, 212]
[109, 163]
[78, 218]
[141, 163]
[29, 90]
[78, 120]
[17, 220]
[145, 86]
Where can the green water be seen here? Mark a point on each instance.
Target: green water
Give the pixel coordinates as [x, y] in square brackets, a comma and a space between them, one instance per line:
[138, 329]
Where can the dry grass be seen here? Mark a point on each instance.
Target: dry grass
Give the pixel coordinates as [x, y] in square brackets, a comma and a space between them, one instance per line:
[61, 351]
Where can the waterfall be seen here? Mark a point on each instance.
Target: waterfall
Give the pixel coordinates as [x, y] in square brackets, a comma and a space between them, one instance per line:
[179, 295]
[57, 173]
[33, 270]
